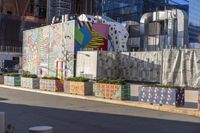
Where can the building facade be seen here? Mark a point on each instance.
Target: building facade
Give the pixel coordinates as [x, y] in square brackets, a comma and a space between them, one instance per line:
[122, 10]
[57, 8]
[32, 10]
[132, 10]
[194, 24]
[16, 16]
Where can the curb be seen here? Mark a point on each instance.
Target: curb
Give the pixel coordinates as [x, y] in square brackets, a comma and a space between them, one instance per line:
[165, 108]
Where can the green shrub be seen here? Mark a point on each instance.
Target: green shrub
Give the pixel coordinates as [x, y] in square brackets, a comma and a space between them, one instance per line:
[78, 79]
[51, 78]
[29, 75]
[13, 74]
[171, 86]
[106, 81]
[192, 88]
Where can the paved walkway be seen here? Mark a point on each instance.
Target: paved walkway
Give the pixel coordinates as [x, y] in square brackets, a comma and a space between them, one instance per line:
[69, 115]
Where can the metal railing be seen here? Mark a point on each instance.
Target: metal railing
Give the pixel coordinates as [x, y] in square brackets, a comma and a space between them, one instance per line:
[13, 49]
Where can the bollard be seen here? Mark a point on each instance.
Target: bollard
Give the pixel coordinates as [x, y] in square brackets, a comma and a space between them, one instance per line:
[199, 101]
[41, 129]
[2, 122]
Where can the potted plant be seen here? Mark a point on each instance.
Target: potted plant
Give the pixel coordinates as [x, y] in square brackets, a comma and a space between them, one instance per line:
[78, 86]
[30, 81]
[53, 84]
[12, 79]
[167, 95]
[112, 89]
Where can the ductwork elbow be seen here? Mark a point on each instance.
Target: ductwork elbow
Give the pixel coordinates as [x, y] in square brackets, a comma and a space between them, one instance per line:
[147, 17]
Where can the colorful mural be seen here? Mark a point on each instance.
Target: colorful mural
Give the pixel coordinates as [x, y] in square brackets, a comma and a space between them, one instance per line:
[118, 35]
[91, 35]
[112, 91]
[160, 95]
[49, 50]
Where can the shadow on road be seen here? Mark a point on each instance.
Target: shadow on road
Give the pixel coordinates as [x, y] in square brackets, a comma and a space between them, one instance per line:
[72, 121]
[2, 99]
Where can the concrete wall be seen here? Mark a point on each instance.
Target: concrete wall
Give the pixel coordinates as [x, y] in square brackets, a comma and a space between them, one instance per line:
[86, 64]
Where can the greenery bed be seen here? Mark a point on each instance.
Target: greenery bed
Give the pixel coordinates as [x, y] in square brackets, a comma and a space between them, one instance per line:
[51, 78]
[29, 75]
[106, 81]
[171, 86]
[12, 74]
[78, 79]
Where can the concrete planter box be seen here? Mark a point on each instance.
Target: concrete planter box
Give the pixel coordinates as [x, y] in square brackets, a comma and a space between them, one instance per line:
[30, 83]
[52, 85]
[79, 88]
[162, 96]
[12, 81]
[112, 91]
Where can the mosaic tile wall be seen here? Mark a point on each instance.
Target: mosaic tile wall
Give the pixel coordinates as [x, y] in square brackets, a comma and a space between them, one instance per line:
[44, 49]
[140, 66]
[110, 91]
[137, 66]
[50, 50]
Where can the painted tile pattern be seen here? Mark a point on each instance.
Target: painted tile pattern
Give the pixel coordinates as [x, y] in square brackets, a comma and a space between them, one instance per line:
[30, 83]
[52, 85]
[166, 96]
[80, 88]
[111, 91]
[135, 66]
[49, 50]
[12, 81]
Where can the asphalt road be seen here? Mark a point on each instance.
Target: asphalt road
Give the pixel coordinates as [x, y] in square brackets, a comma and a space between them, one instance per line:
[68, 115]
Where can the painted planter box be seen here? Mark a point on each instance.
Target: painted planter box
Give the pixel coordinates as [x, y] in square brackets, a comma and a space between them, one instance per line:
[79, 88]
[162, 96]
[66, 86]
[112, 91]
[52, 85]
[30, 83]
[12, 81]
[1, 79]
[199, 101]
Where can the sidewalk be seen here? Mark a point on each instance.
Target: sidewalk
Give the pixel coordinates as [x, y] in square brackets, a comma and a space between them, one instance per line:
[164, 108]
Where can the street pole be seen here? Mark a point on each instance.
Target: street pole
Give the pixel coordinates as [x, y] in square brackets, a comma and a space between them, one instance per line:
[2, 122]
